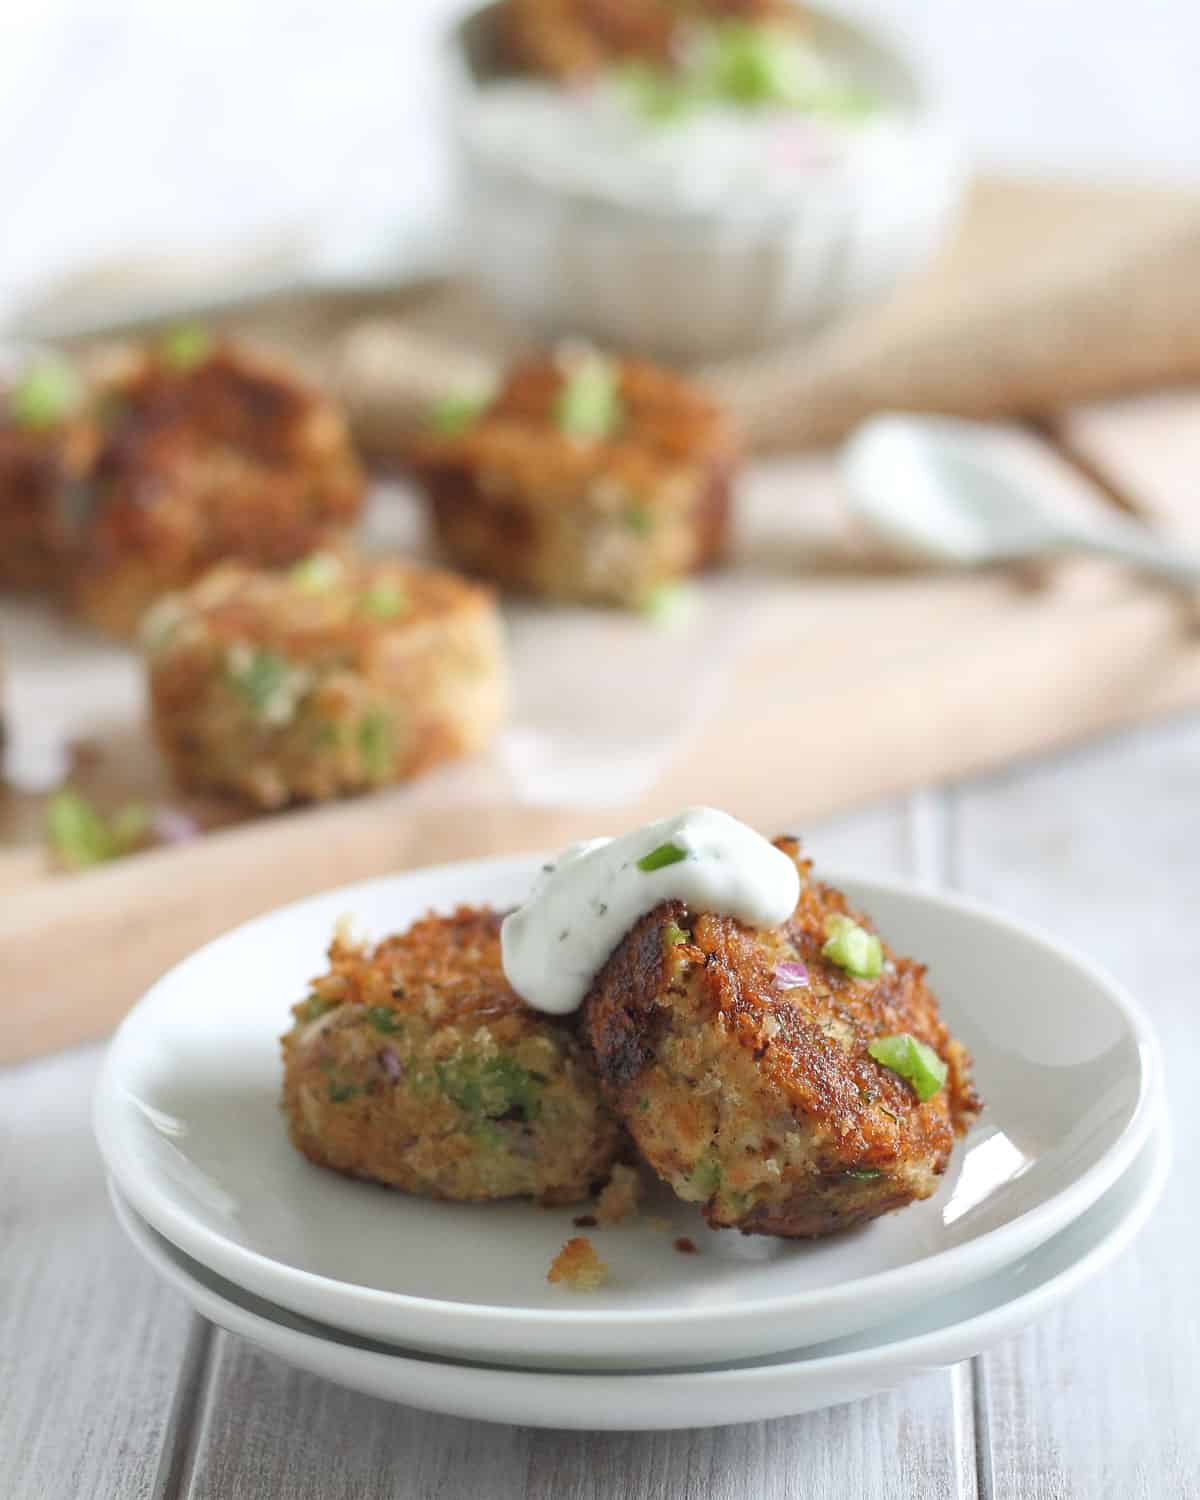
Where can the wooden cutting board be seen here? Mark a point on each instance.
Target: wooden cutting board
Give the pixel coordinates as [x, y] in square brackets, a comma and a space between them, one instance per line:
[851, 680]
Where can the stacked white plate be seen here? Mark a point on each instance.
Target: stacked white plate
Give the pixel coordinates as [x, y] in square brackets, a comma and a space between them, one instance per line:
[447, 1306]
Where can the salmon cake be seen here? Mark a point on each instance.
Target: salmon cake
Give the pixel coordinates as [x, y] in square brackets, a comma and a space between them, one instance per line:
[210, 451]
[47, 446]
[414, 1064]
[792, 1081]
[584, 478]
[334, 677]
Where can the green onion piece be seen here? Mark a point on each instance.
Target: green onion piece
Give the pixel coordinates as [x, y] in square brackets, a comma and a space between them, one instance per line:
[383, 1018]
[639, 520]
[82, 837]
[752, 66]
[589, 403]
[863, 1174]
[185, 347]
[316, 574]
[658, 94]
[673, 935]
[705, 1176]
[918, 1064]
[853, 948]
[668, 604]
[457, 412]
[340, 1092]
[660, 858]
[268, 682]
[491, 1088]
[384, 601]
[48, 391]
[375, 745]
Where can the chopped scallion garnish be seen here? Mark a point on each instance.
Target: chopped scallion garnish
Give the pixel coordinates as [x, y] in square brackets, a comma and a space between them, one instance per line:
[48, 391]
[185, 347]
[660, 858]
[317, 574]
[268, 682]
[915, 1062]
[589, 403]
[384, 601]
[852, 947]
[82, 837]
[457, 412]
[669, 604]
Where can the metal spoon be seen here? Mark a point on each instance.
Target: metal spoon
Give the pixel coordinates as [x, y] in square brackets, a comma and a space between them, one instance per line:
[929, 486]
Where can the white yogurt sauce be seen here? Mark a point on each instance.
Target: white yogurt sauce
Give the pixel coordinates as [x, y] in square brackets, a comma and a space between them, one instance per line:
[583, 905]
[719, 159]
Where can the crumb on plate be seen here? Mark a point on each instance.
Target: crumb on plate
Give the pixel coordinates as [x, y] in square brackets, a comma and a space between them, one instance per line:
[579, 1266]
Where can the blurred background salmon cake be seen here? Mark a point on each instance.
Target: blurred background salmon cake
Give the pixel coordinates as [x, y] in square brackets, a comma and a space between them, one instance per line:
[585, 478]
[210, 451]
[332, 677]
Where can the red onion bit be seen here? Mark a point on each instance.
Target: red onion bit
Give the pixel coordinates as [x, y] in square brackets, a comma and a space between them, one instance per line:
[791, 975]
[391, 1064]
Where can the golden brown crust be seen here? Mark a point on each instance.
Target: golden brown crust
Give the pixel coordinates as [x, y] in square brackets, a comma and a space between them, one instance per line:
[517, 500]
[457, 957]
[732, 1060]
[235, 457]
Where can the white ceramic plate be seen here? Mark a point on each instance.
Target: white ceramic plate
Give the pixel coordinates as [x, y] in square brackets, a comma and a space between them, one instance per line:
[188, 1122]
[952, 1328]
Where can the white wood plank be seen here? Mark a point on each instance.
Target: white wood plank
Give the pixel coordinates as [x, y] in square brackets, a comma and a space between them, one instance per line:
[1104, 849]
[272, 1432]
[90, 1343]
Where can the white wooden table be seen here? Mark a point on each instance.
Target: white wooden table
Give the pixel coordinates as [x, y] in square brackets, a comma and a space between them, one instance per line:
[110, 1387]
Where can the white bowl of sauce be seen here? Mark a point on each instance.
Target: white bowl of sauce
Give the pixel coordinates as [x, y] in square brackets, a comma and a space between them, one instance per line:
[707, 229]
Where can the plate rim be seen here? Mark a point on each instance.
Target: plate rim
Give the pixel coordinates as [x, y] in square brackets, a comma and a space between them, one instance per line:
[201, 1242]
[944, 1345]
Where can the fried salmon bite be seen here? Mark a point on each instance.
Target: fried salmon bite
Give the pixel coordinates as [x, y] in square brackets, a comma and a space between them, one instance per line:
[209, 452]
[586, 478]
[415, 1064]
[339, 675]
[739, 1061]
